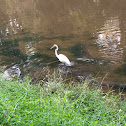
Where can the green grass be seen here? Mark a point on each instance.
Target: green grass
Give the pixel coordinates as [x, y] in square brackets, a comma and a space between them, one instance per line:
[57, 104]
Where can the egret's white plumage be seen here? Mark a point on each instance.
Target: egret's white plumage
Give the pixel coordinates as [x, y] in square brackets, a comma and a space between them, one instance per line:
[62, 58]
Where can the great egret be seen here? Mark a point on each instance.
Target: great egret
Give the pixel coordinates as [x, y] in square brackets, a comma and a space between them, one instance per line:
[62, 58]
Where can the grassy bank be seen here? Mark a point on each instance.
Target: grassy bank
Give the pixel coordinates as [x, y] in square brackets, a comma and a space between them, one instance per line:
[55, 103]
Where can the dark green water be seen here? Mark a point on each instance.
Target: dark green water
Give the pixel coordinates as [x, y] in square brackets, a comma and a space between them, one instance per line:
[91, 33]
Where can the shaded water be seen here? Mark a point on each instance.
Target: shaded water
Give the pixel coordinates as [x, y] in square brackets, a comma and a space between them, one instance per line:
[91, 33]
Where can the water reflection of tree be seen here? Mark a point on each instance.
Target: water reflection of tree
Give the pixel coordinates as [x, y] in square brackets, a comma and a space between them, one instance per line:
[61, 18]
[109, 39]
[52, 17]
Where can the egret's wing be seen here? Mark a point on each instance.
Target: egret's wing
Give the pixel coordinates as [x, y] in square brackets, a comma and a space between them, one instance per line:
[62, 58]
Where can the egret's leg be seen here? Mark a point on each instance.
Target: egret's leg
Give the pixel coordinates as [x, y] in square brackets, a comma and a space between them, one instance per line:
[66, 68]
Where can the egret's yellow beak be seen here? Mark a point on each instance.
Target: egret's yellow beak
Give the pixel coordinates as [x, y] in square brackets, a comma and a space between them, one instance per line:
[52, 47]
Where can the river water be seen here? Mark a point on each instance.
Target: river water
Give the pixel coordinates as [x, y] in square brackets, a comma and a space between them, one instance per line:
[91, 33]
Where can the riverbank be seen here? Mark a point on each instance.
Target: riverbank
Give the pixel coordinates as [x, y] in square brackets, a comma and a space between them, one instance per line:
[56, 103]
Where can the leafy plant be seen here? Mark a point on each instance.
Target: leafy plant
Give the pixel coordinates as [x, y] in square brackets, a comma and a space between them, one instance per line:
[55, 104]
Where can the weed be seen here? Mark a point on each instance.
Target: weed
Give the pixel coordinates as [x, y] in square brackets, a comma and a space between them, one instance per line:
[55, 104]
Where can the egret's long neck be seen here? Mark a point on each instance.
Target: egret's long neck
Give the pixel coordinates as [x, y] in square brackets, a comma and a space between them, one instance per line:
[56, 52]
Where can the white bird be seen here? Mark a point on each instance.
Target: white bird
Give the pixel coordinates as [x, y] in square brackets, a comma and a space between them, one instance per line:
[62, 58]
